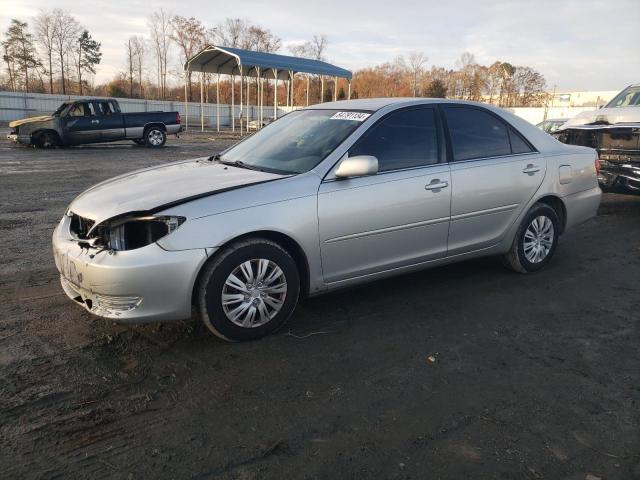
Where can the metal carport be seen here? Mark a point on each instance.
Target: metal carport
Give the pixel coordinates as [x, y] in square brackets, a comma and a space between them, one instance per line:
[248, 63]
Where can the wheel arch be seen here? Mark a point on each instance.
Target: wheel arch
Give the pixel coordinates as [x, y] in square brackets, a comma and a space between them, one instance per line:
[36, 133]
[282, 239]
[558, 206]
[161, 125]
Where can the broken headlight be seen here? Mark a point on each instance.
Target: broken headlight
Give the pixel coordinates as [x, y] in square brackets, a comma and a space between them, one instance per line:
[138, 232]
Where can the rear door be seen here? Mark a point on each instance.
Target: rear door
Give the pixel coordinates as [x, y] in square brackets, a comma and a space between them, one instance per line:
[396, 218]
[111, 120]
[494, 173]
[82, 125]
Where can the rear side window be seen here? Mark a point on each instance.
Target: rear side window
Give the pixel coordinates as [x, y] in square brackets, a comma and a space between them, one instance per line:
[518, 144]
[476, 134]
[403, 139]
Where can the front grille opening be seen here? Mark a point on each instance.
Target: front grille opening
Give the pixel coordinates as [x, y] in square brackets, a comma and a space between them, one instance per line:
[80, 226]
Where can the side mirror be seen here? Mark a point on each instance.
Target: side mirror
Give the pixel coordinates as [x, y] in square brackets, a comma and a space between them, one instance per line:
[357, 166]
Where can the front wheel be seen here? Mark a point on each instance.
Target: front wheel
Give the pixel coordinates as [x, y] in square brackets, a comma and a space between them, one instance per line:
[536, 240]
[155, 137]
[47, 140]
[249, 290]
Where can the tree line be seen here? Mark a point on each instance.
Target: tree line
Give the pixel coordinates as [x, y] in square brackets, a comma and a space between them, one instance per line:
[58, 55]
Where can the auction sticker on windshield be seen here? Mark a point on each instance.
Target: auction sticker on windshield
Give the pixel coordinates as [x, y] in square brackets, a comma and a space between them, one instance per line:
[357, 116]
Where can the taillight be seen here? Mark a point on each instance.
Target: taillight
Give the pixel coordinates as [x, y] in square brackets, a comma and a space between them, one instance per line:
[597, 163]
[178, 118]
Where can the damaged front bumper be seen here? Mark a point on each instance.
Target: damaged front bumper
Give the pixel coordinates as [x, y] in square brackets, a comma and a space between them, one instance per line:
[618, 148]
[135, 286]
[24, 139]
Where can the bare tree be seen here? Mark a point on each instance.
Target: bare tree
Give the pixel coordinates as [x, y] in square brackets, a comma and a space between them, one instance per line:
[189, 35]
[139, 50]
[45, 26]
[231, 33]
[66, 31]
[416, 64]
[160, 30]
[130, 63]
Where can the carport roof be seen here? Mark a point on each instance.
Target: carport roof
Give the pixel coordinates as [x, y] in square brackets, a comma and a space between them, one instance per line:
[229, 60]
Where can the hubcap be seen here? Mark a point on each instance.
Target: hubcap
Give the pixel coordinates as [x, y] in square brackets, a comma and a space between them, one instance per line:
[538, 239]
[254, 293]
[155, 137]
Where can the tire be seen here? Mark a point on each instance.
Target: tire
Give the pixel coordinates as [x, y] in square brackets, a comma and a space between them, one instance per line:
[531, 251]
[271, 308]
[47, 140]
[139, 141]
[154, 137]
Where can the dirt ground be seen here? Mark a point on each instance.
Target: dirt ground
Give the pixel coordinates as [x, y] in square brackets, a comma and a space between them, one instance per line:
[465, 371]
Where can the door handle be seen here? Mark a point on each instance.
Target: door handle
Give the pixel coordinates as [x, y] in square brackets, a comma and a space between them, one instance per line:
[436, 185]
[531, 169]
[95, 121]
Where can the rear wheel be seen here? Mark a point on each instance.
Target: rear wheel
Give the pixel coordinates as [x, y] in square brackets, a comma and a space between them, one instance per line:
[249, 290]
[46, 140]
[536, 240]
[154, 137]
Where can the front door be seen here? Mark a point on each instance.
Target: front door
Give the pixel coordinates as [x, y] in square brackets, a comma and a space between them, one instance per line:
[397, 217]
[82, 124]
[494, 174]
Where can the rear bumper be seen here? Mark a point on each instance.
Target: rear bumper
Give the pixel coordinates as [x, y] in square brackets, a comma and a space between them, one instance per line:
[171, 129]
[582, 206]
[137, 286]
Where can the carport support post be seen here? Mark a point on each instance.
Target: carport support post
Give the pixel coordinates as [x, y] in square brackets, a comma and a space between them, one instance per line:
[258, 97]
[202, 101]
[292, 94]
[335, 89]
[241, 103]
[218, 102]
[275, 94]
[186, 105]
[233, 104]
[307, 89]
[349, 89]
[247, 102]
[321, 89]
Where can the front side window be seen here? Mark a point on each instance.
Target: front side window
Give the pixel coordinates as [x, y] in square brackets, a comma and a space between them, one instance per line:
[403, 139]
[476, 134]
[78, 110]
[295, 143]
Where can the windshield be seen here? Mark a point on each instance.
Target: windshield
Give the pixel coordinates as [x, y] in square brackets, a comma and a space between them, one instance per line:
[630, 97]
[60, 109]
[297, 142]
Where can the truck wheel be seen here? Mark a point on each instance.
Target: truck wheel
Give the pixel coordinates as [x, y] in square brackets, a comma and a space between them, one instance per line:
[154, 137]
[46, 140]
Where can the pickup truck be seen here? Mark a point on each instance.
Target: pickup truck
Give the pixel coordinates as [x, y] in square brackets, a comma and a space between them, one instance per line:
[614, 131]
[94, 120]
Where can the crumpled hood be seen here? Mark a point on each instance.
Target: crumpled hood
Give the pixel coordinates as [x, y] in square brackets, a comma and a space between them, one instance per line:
[17, 123]
[611, 116]
[160, 187]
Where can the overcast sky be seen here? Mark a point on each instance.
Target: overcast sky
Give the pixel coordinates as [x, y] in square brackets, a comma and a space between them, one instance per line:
[575, 44]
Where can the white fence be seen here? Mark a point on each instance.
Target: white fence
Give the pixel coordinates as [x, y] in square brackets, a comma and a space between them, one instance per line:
[536, 114]
[16, 105]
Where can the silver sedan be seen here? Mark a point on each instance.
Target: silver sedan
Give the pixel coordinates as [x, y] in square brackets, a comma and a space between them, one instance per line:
[326, 197]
